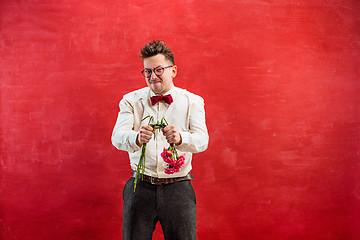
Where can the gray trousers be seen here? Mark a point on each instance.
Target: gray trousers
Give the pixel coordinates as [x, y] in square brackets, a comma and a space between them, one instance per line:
[174, 205]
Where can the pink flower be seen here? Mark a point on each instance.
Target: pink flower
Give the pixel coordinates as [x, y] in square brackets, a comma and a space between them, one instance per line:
[170, 170]
[168, 153]
[174, 162]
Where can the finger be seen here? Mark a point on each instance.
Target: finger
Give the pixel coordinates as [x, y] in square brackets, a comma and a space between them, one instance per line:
[171, 137]
[146, 133]
[164, 130]
[170, 140]
[145, 136]
[169, 130]
[148, 128]
[144, 139]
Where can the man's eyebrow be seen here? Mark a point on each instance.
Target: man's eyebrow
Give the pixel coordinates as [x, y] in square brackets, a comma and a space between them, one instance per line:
[153, 68]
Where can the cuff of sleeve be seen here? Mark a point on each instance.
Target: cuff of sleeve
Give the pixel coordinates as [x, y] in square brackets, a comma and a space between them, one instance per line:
[132, 141]
[185, 139]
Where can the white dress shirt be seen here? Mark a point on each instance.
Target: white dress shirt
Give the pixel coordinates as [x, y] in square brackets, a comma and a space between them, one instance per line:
[186, 113]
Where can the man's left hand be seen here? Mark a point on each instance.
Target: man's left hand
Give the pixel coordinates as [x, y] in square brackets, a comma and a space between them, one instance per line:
[172, 135]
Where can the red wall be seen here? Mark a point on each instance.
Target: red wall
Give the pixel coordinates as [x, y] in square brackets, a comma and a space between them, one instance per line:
[281, 83]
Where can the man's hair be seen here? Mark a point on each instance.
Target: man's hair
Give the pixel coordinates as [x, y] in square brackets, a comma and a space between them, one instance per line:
[156, 47]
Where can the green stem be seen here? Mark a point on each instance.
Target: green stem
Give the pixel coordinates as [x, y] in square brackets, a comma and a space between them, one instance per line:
[172, 145]
[140, 166]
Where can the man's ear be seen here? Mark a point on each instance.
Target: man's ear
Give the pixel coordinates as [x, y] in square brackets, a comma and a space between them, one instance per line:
[174, 71]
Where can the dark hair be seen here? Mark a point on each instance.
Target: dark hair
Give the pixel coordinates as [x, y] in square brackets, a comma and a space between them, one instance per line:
[155, 47]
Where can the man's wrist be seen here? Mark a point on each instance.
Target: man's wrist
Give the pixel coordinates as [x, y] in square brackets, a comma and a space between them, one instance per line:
[137, 141]
[180, 141]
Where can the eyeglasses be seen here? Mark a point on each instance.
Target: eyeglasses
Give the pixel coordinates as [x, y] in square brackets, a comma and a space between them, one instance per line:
[147, 72]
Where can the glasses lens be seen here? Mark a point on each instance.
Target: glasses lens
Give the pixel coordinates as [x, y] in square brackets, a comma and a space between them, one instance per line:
[147, 73]
[159, 71]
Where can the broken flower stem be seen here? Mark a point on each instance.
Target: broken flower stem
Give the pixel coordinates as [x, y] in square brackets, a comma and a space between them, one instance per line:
[141, 165]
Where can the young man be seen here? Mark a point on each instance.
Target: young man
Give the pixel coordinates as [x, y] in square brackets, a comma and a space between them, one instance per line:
[168, 198]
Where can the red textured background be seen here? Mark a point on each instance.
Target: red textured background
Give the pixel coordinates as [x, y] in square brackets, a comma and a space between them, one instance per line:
[281, 82]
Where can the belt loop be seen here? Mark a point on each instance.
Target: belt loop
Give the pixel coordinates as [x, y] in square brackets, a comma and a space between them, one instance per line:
[152, 181]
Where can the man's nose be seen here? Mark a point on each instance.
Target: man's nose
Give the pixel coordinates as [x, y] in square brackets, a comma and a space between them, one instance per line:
[153, 75]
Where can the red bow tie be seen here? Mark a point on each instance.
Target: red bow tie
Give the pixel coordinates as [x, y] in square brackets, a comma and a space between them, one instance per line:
[167, 98]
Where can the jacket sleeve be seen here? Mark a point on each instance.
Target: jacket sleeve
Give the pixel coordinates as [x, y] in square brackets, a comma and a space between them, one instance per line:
[123, 136]
[196, 139]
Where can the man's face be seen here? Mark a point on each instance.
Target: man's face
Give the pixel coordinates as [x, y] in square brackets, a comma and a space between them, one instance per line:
[160, 84]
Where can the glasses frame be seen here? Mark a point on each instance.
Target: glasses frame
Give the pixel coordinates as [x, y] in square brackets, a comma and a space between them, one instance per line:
[153, 71]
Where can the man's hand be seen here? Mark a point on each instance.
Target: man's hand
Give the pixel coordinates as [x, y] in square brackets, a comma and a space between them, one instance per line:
[144, 135]
[172, 135]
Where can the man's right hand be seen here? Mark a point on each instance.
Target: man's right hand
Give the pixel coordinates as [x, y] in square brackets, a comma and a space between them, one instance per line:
[145, 135]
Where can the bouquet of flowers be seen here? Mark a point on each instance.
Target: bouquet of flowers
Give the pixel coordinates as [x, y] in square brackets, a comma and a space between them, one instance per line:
[173, 161]
[170, 156]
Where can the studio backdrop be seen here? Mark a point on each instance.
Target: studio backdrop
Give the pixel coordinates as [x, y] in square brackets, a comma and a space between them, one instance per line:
[281, 84]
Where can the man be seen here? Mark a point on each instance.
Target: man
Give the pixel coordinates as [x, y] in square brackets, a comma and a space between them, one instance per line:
[162, 197]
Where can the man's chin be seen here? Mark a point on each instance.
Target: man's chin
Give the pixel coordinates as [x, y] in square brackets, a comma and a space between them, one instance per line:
[157, 91]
